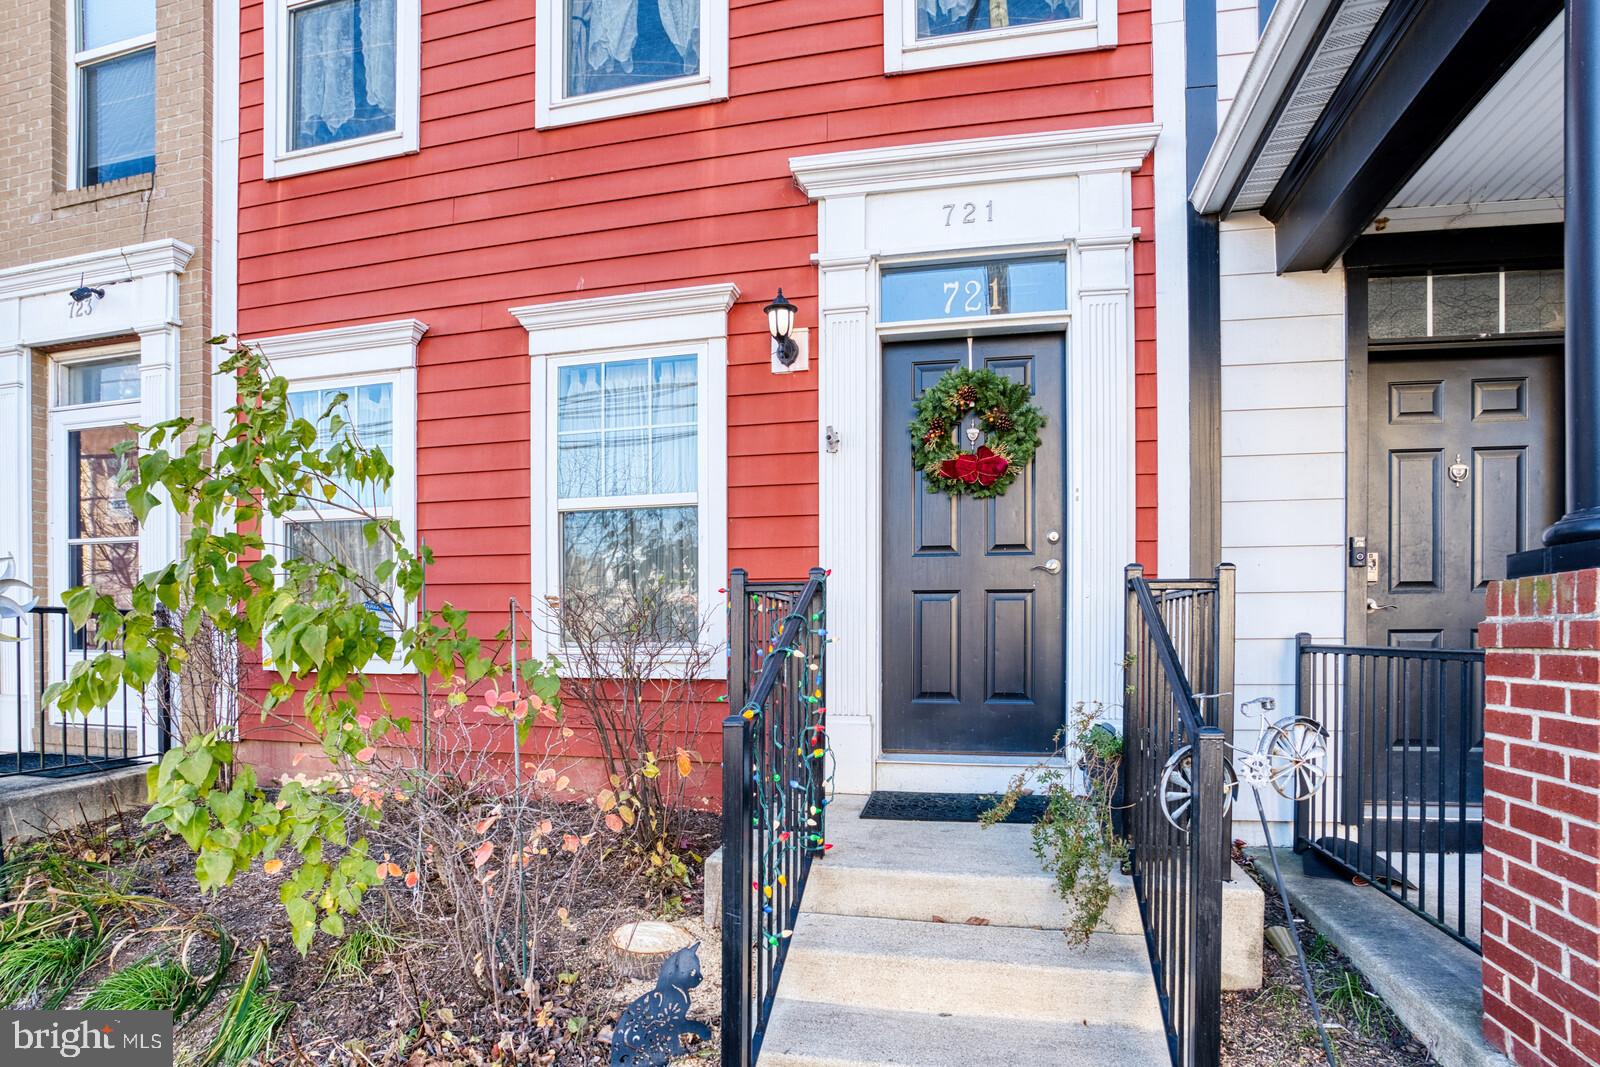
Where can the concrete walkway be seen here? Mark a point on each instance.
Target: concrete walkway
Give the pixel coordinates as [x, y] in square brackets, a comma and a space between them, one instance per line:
[1430, 981]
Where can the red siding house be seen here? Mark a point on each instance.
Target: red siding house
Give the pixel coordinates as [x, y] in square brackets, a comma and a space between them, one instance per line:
[536, 238]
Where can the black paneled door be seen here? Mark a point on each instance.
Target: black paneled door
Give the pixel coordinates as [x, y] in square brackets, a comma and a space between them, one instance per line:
[1464, 468]
[973, 590]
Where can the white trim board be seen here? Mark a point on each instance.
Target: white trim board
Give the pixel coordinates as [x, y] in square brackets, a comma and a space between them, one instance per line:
[366, 348]
[1067, 190]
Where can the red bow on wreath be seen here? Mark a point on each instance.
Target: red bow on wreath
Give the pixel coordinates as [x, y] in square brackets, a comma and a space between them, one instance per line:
[985, 466]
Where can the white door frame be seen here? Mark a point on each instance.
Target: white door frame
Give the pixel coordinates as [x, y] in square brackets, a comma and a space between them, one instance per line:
[1069, 189]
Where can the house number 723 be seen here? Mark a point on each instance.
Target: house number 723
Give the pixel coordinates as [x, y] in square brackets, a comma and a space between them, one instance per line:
[967, 213]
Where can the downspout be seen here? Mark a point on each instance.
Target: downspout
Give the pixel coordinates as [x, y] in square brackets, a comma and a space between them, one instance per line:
[1205, 294]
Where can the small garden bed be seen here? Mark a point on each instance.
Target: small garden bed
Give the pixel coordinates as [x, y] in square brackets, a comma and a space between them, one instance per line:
[1273, 1027]
[392, 990]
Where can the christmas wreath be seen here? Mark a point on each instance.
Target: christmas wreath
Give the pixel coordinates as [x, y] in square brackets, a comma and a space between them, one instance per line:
[994, 408]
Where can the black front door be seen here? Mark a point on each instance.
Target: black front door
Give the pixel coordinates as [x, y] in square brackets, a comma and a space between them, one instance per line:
[973, 590]
[1464, 468]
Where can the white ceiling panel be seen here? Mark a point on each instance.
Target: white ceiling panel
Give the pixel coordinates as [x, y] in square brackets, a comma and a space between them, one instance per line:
[1509, 148]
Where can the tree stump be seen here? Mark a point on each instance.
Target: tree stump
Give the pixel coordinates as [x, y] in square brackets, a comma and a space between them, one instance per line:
[640, 948]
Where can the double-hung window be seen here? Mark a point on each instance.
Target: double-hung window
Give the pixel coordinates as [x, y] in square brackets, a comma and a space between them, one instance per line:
[322, 529]
[921, 34]
[372, 367]
[343, 82]
[599, 59]
[627, 480]
[112, 92]
[629, 404]
[97, 537]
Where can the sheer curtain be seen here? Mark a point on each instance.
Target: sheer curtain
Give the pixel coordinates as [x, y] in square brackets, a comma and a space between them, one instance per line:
[337, 45]
[681, 20]
[604, 33]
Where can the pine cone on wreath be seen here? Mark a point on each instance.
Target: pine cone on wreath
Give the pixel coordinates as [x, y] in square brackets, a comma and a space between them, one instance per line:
[997, 418]
[933, 435]
[964, 397]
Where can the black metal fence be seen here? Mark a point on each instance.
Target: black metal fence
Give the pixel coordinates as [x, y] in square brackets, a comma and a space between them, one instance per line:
[1179, 636]
[41, 647]
[773, 780]
[1402, 806]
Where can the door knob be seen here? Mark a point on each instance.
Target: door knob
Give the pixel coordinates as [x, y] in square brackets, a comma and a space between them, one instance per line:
[1051, 565]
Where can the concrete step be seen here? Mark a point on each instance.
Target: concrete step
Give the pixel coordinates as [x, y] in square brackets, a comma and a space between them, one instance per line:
[952, 871]
[811, 1034]
[995, 971]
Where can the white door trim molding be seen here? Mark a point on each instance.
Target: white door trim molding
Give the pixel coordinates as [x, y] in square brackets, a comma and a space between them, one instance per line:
[1069, 189]
[140, 283]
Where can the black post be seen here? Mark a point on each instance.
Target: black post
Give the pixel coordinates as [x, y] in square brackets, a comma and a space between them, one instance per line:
[736, 1020]
[819, 770]
[1206, 856]
[738, 638]
[1302, 707]
[1130, 775]
[1223, 650]
[1582, 520]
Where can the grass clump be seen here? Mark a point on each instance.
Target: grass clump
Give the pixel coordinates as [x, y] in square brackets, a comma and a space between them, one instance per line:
[45, 967]
[149, 985]
[365, 947]
[252, 1016]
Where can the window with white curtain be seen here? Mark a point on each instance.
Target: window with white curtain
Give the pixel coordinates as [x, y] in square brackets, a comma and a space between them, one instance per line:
[113, 89]
[343, 82]
[602, 58]
[333, 529]
[921, 34]
[627, 478]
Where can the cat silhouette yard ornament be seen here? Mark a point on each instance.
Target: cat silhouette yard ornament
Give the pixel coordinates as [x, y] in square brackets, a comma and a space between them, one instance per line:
[650, 1030]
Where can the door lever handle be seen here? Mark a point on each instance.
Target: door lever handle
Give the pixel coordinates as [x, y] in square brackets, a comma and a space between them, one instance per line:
[1053, 566]
[1373, 606]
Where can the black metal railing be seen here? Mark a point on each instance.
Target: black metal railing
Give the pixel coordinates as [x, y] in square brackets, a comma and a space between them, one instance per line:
[773, 791]
[1180, 637]
[41, 647]
[1402, 806]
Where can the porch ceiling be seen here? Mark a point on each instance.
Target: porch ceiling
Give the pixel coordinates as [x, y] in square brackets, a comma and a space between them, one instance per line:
[1507, 153]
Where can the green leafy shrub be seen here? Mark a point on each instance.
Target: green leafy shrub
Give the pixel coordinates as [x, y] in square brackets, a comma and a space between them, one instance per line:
[1074, 838]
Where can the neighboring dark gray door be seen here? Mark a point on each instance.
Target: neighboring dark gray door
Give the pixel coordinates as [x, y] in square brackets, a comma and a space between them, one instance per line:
[1464, 468]
[973, 589]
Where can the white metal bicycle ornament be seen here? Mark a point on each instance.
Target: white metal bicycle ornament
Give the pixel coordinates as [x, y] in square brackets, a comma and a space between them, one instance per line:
[1289, 756]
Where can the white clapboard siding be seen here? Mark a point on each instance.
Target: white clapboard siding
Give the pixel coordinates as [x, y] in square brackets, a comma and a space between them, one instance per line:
[1283, 463]
[1237, 31]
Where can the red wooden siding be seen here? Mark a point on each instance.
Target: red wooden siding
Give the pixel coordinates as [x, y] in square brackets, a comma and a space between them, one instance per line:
[493, 213]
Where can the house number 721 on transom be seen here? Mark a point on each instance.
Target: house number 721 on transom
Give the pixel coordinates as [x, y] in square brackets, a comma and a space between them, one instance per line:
[967, 213]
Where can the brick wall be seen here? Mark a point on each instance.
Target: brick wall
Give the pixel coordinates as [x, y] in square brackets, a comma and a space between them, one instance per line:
[42, 219]
[1541, 861]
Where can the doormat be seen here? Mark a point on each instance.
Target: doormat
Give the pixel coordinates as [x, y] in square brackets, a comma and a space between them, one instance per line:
[947, 807]
[55, 765]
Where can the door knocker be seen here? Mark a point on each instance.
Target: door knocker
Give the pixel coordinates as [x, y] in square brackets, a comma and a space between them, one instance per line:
[1458, 470]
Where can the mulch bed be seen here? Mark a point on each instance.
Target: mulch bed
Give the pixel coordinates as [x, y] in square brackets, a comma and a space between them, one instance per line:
[1273, 1026]
[416, 1006]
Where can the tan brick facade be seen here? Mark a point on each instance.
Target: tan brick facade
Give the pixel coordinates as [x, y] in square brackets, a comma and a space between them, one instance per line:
[42, 219]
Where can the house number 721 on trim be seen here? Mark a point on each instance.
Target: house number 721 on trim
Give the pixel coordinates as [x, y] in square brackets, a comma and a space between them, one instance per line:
[967, 213]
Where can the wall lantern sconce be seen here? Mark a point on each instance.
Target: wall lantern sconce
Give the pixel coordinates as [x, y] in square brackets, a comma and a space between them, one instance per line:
[780, 320]
[790, 346]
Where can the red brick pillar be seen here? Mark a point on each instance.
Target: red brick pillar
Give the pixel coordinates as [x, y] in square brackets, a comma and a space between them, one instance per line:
[1541, 813]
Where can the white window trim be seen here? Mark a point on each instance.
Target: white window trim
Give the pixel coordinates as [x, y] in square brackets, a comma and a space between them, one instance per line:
[362, 355]
[277, 159]
[902, 51]
[635, 325]
[77, 60]
[552, 107]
